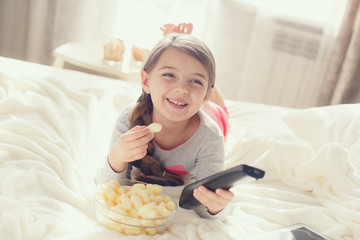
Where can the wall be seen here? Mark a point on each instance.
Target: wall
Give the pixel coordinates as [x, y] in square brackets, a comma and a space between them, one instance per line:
[240, 34]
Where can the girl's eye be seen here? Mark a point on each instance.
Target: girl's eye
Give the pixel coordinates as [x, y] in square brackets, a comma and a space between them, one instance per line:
[197, 82]
[168, 75]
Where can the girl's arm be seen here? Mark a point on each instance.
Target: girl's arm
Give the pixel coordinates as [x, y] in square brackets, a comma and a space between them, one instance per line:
[211, 161]
[125, 146]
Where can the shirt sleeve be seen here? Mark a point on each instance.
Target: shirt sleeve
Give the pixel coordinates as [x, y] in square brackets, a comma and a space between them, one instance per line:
[202, 211]
[211, 161]
[122, 125]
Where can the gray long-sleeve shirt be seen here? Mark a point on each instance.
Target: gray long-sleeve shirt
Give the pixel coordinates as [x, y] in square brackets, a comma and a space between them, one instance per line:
[200, 156]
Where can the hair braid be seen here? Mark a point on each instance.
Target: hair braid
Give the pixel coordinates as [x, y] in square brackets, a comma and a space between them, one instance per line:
[142, 115]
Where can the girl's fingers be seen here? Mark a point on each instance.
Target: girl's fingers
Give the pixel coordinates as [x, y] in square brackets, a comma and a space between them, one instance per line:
[136, 133]
[136, 128]
[189, 28]
[214, 201]
[140, 142]
[169, 28]
[137, 153]
[226, 194]
[133, 144]
[180, 28]
[206, 195]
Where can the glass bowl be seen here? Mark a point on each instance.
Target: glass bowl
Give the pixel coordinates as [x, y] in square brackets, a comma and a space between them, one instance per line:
[135, 208]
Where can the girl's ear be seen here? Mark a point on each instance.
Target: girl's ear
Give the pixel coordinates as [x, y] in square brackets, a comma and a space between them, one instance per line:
[145, 81]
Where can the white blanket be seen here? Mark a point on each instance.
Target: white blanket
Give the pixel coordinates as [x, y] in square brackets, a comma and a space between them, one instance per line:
[55, 127]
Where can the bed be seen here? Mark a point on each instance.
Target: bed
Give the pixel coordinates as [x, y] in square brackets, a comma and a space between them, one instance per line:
[55, 127]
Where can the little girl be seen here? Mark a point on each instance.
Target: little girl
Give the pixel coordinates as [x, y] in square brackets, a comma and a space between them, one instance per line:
[177, 79]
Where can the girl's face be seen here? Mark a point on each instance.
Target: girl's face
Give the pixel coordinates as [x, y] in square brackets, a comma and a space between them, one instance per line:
[178, 86]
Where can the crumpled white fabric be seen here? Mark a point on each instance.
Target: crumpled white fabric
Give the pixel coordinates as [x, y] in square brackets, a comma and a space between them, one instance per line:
[55, 127]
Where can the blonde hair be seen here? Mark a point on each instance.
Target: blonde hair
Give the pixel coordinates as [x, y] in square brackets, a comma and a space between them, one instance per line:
[142, 113]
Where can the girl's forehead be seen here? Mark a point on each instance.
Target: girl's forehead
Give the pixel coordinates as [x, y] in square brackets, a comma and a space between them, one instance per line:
[174, 52]
[177, 58]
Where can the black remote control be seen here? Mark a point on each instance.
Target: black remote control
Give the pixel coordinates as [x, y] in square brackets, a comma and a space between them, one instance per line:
[224, 180]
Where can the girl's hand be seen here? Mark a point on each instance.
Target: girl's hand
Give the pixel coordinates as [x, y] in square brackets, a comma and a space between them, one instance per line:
[181, 28]
[169, 28]
[185, 28]
[214, 201]
[129, 147]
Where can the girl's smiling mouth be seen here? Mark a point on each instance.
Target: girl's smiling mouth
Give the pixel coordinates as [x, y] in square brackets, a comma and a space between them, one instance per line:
[177, 103]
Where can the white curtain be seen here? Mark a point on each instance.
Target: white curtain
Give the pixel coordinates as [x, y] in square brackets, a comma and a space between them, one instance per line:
[31, 29]
[343, 72]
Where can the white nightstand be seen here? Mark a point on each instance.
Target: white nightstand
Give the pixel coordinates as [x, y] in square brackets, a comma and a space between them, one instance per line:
[88, 57]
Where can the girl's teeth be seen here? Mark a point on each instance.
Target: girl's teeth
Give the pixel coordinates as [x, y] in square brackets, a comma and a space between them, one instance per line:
[177, 103]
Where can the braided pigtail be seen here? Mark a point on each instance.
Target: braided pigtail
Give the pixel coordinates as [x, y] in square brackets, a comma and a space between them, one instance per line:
[151, 169]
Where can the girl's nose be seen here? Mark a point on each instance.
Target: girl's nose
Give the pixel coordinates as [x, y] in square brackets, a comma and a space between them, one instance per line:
[181, 88]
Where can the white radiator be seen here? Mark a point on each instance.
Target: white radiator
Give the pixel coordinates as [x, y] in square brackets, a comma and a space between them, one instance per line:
[285, 63]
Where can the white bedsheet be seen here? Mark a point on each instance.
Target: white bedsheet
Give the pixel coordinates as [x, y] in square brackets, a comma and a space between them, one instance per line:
[55, 127]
